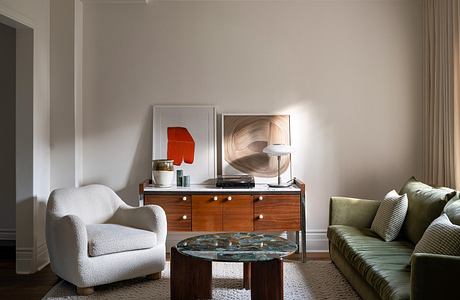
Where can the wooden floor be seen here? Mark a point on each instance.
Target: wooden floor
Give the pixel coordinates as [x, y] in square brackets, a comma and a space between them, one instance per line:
[14, 286]
[35, 286]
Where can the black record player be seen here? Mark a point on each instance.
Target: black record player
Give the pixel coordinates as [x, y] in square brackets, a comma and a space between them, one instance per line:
[235, 181]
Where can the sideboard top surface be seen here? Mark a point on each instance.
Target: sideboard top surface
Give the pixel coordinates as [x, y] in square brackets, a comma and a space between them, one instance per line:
[205, 189]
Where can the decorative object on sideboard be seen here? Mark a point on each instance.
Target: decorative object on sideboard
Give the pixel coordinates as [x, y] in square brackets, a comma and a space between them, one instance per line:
[279, 150]
[186, 134]
[243, 139]
[179, 175]
[186, 181]
[163, 172]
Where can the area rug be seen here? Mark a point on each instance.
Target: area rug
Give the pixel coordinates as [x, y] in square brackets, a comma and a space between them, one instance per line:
[311, 280]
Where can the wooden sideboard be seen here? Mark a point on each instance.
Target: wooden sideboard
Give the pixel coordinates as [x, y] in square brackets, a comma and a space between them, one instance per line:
[205, 208]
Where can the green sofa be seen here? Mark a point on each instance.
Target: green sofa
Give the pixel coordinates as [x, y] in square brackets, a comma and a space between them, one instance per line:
[381, 270]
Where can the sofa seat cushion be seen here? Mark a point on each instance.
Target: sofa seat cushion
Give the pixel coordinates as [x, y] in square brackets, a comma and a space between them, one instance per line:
[384, 265]
[113, 238]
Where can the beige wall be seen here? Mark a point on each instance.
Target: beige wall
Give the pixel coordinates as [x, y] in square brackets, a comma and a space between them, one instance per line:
[348, 72]
[7, 132]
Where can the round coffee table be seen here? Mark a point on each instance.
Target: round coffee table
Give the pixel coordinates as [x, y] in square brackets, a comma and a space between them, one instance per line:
[191, 263]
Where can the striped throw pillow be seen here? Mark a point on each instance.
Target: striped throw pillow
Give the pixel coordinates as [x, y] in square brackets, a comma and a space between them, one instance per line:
[390, 216]
[441, 237]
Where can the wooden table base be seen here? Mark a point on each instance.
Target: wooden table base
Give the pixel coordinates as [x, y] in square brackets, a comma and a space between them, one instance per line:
[191, 278]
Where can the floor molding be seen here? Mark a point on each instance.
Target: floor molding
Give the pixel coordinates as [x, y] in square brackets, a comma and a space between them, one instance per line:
[7, 234]
[24, 260]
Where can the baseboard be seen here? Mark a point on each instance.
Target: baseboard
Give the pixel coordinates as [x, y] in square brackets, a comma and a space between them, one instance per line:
[316, 239]
[27, 262]
[7, 234]
[24, 260]
[42, 257]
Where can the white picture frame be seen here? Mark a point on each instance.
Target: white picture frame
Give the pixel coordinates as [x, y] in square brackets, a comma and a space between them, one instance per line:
[227, 169]
[200, 121]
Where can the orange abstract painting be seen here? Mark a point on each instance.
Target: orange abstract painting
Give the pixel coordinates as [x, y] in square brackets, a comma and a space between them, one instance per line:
[181, 146]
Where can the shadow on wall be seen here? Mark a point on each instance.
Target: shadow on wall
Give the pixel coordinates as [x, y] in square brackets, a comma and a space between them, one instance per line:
[141, 164]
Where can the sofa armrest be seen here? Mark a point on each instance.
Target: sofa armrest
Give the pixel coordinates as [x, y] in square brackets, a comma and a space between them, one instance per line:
[148, 217]
[434, 276]
[352, 211]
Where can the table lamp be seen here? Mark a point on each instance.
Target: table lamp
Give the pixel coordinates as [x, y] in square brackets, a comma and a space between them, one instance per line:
[278, 150]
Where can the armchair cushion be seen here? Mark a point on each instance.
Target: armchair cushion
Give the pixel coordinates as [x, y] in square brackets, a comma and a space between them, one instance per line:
[112, 238]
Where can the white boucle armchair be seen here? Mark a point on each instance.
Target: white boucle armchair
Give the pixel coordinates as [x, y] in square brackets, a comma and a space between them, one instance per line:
[95, 238]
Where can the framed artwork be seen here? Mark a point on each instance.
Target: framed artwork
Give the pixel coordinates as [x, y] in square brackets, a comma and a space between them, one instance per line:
[243, 139]
[186, 134]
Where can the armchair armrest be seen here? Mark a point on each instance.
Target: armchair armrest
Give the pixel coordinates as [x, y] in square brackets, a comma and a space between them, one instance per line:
[352, 211]
[434, 276]
[67, 243]
[148, 217]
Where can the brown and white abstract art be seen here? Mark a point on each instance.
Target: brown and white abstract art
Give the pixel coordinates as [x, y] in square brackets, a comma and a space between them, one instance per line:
[245, 136]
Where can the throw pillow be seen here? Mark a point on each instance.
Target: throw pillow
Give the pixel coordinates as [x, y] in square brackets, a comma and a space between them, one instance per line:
[441, 237]
[452, 210]
[426, 203]
[390, 216]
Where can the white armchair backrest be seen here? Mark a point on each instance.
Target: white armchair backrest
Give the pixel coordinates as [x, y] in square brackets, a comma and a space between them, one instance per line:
[93, 204]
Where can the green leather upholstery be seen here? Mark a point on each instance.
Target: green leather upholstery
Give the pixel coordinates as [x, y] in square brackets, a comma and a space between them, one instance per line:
[425, 204]
[382, 264]
[352, 211]
[380, 270]
[435, 276]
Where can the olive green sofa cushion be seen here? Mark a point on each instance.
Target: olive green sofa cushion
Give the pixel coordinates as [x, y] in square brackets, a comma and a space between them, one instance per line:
[426, 203]
[384, 265]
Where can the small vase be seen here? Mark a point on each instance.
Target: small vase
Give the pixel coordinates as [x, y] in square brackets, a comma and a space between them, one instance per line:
[163, 172]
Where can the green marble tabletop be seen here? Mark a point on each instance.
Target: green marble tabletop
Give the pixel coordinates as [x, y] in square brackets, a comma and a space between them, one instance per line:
[237, 247]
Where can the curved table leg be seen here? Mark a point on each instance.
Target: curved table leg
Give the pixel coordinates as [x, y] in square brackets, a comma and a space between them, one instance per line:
[267, 280]
[191, 278]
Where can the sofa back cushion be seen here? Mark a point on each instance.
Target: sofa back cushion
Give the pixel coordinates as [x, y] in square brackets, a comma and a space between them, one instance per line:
[425, 204]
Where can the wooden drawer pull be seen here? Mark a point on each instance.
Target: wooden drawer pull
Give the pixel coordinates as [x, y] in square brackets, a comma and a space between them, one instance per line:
[261, 198]
[261, 217]
[215, 198]
[184, 198]
[184, 217]
[229, 198]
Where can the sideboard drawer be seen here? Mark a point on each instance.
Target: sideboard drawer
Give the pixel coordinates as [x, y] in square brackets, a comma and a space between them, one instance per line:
[207, 212]
[237, 213]
[178, 209]
[277, 212]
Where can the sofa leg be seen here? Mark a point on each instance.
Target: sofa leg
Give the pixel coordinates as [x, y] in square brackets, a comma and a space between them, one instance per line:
[154, 276]
[85, 291]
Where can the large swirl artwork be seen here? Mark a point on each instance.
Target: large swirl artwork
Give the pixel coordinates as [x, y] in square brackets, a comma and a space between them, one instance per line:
[244, 138]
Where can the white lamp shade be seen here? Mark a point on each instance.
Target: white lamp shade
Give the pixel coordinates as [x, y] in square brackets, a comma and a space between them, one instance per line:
[278, 149]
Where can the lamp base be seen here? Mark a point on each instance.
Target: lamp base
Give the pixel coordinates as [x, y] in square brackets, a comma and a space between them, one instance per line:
[282, 185]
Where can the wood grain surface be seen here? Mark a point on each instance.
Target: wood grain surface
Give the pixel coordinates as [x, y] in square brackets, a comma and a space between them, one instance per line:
[175, 208]
[279, 212]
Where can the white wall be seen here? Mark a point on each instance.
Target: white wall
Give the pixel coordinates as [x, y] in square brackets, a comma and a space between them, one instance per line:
[7, 132]
[32, 128]
[66, 63]
[348, 72]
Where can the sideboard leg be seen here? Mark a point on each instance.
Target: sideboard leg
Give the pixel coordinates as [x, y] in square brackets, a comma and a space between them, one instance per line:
[267, 280]
[191, 278]
[297, 241]
[303, 220]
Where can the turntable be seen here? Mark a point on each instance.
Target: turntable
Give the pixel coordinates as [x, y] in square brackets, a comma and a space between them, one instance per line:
[235, 181]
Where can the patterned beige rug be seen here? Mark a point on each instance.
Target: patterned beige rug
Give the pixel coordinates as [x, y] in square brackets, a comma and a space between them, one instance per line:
[312, 280]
